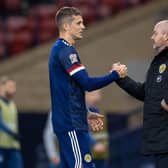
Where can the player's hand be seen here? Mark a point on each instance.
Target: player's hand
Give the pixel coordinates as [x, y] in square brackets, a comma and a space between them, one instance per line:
[164, 105]
[121, 69]
[95, 121]
[115, 67]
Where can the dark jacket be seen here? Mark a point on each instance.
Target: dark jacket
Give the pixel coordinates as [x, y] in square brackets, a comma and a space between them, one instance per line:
[152, 91]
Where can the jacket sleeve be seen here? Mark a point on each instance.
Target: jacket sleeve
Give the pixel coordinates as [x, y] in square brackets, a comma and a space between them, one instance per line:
[132, 87]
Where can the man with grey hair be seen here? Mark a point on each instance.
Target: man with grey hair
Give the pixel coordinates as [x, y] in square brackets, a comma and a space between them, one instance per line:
[154, 93]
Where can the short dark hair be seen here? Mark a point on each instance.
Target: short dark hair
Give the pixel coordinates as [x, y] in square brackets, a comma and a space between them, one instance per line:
[65, 13]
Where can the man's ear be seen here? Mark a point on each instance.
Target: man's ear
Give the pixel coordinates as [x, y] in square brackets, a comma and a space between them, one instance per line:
[165, 36]
[66, 27]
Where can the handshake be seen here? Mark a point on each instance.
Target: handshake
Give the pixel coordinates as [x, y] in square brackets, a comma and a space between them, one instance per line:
[120, 68]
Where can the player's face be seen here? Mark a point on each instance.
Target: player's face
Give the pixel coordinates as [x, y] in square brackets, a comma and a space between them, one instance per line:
[76, 27]
[158, 38]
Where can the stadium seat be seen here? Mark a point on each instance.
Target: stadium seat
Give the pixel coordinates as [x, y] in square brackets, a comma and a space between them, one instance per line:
[12, 5]
[2, 45]
[41, 18]
[16, 24]
[88, 11]
[114, 5]
[47, 24]
[19, 34]
[83, 2]
[43, 11]
[18, 42]
[2, 52]
[2, 37]
[1, 26]
[104, 11]
[44, 36]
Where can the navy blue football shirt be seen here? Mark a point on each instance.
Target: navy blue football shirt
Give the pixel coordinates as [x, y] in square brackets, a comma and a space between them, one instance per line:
[68, 82]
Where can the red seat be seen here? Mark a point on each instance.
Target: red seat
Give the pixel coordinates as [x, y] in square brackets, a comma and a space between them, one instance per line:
[12, 5]
[45, 36]
[18, 42]
[1, 26]
[43, 11]
[42, 19]
[88, 12]
[115, 5]
[2, 52]
[132, 2]
[2, 45]
[82, 2]
[60, 3]
[2, 37]
[47, 24]
[16, 24]
[104, 11]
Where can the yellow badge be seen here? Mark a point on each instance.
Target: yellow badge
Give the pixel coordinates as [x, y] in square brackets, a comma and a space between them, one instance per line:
[162, 68]
[88, 158]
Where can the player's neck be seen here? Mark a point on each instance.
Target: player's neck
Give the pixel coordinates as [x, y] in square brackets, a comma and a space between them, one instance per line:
[67, 38]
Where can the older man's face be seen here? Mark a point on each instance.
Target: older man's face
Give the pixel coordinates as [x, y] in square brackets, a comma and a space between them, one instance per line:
[158, 35]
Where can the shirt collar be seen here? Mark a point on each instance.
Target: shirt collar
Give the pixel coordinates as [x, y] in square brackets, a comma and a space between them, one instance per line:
[65, 42]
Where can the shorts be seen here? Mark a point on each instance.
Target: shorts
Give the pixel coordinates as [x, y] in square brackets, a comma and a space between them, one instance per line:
[75, 149]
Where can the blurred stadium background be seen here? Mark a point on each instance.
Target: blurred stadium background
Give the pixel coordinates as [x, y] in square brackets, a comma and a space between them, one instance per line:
[117, 30]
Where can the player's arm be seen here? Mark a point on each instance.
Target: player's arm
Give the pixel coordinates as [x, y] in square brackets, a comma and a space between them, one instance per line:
[88, 83]
[71, 62]
[132, 87]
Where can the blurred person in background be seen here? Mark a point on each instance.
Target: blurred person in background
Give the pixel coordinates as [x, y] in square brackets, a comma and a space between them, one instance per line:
[10, 156]
[154, 93]
[69, 80]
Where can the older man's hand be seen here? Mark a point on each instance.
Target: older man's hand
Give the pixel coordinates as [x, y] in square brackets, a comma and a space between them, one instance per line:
[164, 105]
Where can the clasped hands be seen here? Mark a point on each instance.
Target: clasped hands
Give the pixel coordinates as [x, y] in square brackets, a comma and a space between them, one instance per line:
[120, 68]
